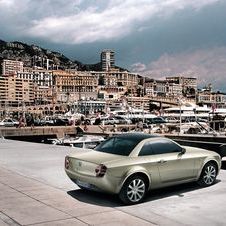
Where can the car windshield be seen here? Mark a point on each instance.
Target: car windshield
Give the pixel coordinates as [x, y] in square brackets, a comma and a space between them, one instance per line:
[117, 146]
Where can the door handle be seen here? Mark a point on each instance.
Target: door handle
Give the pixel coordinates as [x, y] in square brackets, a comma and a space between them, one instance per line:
[162, 161]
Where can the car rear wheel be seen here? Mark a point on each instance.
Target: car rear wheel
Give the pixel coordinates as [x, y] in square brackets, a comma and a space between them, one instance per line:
[208, 175]
[133, 190]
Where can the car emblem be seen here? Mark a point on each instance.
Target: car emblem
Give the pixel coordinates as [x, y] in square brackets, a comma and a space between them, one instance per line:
[79, 164]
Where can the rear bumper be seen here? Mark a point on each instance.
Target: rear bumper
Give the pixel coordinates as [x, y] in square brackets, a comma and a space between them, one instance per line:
[107, 183]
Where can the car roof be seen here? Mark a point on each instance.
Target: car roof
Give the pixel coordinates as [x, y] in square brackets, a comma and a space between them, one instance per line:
[136, 136]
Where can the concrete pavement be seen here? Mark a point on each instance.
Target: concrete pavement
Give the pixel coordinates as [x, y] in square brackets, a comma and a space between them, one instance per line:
[34, 190]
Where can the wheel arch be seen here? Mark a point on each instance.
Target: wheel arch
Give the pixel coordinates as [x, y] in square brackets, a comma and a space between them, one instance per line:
[209, 161]
[215, 163]
[142, 173]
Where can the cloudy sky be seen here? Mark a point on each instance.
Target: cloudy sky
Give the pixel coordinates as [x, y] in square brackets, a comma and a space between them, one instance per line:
[156, 38]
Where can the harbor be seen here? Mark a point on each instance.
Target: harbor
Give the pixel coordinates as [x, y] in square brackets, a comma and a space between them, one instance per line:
[112, 113]
[46, 134]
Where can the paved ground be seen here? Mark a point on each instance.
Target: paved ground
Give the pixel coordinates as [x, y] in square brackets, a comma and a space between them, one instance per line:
[34, 190]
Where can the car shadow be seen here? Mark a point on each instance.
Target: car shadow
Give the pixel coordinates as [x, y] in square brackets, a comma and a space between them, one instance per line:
[177, 190]
[107, 200]
[95, 198]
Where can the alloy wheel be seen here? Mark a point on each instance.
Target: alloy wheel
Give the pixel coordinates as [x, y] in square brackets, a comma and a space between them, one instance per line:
[209, 174]
[136, 190]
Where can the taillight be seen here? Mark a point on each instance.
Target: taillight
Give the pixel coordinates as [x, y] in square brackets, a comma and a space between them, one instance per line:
[66, 162]
[100, 170]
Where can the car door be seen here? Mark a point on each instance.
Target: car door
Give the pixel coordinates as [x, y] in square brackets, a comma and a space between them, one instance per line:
[173, 165]
[148, 161]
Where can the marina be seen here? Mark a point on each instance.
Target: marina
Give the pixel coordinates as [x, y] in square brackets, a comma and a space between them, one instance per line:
[112, 113]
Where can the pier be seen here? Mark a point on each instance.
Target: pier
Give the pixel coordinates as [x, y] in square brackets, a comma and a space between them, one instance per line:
[41, 134]
[55, 131]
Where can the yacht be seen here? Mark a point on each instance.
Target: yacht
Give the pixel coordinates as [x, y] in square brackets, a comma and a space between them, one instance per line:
[187, 114]
[133, 114]
[85, 141]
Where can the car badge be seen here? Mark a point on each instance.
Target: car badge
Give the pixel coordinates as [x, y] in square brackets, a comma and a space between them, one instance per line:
[79, 164]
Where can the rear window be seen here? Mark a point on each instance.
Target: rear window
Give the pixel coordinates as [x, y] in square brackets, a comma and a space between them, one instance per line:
[117, 146]
[164, 147]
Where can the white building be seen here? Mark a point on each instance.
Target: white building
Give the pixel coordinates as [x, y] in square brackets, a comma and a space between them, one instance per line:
[162, 88]
[11, 67]
[107, 59]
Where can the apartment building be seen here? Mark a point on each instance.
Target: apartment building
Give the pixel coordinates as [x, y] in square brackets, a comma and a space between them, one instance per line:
[10, 67]
[70, 87]
[114, 83]
[15, 90]
[211, 99]
[164, 88]
[189, 84]
[39, 77]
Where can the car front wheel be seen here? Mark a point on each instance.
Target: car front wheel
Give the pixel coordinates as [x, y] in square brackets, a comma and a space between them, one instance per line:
[208, 175]
[133, 190]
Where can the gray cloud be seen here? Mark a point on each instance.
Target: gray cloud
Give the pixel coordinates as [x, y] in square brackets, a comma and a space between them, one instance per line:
[83, 21]
[138, 67]
[208, 65]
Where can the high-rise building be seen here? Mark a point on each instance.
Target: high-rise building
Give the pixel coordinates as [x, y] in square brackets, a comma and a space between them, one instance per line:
[10, 67]
[107, 59]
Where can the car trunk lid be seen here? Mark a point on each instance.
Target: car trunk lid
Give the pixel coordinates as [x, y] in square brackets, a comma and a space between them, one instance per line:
[86, 163]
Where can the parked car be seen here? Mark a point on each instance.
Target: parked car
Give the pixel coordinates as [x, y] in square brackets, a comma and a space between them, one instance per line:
[133, 163]
[157, 120]
[49, 121]
[8, 122]
[108, 121]
[39, 122]
[121, 120]
[61, 122]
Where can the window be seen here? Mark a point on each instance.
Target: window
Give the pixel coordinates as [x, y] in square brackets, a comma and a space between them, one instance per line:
[91, 145]
[164, 146]
[117, 146]
[78, 145]
[146, 149]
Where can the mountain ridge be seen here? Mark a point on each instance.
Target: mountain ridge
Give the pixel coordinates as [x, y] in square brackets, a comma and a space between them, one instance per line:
[29, 54]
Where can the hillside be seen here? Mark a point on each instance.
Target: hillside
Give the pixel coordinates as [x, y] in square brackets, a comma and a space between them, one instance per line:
[32, 54]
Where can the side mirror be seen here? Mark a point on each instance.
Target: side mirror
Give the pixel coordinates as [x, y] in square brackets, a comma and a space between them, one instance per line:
[183, 150]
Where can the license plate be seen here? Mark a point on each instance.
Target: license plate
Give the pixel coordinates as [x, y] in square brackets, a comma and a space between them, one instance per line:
[83, 184]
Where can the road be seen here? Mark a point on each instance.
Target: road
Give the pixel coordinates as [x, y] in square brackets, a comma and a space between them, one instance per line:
[36, 191]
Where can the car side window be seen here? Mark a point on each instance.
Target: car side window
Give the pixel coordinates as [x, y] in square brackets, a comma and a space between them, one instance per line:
[164, 147]
[146, 149]
[78, 145]
[91, 145]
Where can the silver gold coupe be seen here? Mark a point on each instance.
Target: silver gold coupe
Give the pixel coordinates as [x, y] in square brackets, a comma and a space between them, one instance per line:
[133, 163]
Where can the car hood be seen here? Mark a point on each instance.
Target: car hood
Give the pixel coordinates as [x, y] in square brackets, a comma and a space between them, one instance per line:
[96, 157]
[199, 151]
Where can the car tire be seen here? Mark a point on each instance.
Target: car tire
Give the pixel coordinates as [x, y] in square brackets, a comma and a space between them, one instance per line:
[208, 175]
[133, 190]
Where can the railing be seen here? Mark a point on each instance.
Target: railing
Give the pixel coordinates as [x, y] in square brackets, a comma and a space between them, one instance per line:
[218, 125]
